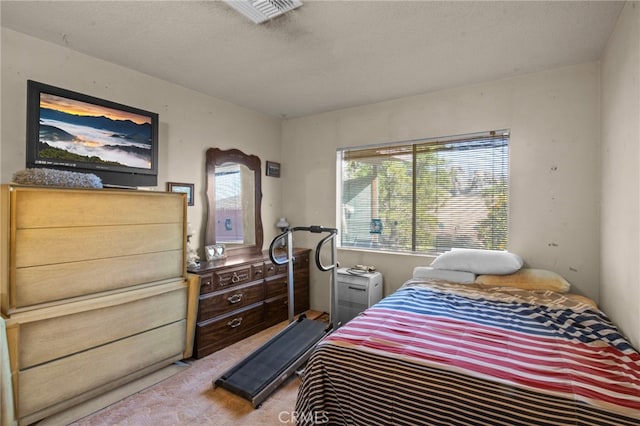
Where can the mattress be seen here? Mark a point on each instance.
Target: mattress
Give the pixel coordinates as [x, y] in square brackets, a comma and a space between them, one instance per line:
[436, 353]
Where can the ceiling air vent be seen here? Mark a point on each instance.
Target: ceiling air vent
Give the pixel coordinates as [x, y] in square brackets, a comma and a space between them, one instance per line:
[260, 11]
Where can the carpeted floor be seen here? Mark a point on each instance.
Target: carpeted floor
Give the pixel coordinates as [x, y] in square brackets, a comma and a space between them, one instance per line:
[188, 398]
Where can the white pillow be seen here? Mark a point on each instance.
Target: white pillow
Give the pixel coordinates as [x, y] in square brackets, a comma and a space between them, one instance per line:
[479, 261]
[429, 273]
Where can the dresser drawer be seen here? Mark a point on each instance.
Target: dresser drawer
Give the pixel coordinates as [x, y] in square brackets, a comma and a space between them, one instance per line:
[257, 271]
[301, 300]
[276, 287]
[271, 269]
[206, 283]
[231, 289]
[83, 325]
[70, 377]
[276, 310]
[301, 262]
[229, 327]
[214, 304]
[231, 277]
[301, 279]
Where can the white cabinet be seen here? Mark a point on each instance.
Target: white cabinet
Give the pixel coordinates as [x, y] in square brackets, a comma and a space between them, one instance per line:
[356, 292]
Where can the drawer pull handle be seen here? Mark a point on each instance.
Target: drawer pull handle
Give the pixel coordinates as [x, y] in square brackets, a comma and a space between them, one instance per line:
[357, 288]
[235, 278]
[235, 322]
[235, 298]
[259, 272]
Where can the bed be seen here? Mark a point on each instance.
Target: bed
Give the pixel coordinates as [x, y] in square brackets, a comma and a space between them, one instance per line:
[442, 353]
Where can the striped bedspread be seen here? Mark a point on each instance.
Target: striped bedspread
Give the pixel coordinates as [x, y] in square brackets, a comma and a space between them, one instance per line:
[444, 354]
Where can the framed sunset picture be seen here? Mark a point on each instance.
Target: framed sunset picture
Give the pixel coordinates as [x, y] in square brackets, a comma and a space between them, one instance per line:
[73, 131]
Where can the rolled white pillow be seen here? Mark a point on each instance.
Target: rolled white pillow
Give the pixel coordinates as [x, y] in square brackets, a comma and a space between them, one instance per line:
[429, 273]
[479, 261]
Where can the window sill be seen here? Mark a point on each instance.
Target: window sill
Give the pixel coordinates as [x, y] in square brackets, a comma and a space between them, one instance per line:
[386, 252]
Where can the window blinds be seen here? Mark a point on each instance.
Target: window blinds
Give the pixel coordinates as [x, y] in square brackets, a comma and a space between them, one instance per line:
[428, 195]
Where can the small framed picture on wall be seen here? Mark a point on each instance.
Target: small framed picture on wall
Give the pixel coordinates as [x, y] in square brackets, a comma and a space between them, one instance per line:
[185, 188]
[273, 169]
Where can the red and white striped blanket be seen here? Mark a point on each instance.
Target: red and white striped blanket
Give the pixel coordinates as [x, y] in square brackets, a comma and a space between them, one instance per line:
[438, 353]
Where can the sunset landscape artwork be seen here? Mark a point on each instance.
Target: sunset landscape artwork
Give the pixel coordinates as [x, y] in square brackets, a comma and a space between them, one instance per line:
[73, 130]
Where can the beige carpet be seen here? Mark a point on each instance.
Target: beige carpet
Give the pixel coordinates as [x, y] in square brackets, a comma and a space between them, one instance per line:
[188, 398]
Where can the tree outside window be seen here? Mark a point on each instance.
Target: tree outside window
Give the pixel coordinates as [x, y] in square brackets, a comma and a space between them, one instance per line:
[426, 196]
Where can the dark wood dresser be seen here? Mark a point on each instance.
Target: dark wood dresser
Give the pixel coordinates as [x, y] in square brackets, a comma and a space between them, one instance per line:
[240, 296]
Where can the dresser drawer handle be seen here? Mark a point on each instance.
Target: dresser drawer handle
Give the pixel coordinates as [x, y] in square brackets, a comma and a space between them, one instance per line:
[235, 278]
[235, 322]
[235, 298]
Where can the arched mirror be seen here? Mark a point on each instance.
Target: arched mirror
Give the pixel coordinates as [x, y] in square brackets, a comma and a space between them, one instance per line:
[234, 194]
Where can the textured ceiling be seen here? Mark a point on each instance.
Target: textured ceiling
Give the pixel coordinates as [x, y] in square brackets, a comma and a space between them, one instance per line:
[325, 55]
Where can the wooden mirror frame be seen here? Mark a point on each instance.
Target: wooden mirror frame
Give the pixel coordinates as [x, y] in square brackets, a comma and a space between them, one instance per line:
[216, 157]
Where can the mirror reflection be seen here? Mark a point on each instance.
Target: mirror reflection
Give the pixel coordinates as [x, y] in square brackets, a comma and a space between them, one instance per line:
[234, 194]
[234, 206]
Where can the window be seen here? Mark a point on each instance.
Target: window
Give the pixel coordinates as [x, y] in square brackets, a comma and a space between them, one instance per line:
[426, 196]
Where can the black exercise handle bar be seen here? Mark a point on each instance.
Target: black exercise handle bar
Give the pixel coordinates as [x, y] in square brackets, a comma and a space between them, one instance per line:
[321, 244]
[272, 246]
[316, 230]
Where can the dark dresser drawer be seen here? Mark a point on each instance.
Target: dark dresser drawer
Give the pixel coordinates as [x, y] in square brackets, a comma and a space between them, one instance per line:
[276, 310]
[301, 262]
[257, 271]
[276, 287]
[272, 269]
[231, 277]
[218, 303]
[241, 295]
[206, 283]
[221, 331]
[301, 299]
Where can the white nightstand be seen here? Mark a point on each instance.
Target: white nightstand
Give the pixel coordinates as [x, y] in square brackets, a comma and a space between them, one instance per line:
[356, 292]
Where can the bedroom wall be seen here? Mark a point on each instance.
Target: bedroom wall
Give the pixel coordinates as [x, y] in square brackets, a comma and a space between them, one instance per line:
[620, 230]
[555, 171]
[190, 122]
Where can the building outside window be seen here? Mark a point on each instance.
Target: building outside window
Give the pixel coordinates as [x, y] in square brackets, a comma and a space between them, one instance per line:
[229, 223]
[425, 196]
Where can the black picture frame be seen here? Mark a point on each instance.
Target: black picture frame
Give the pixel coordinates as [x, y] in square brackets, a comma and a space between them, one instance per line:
[184, 188]
[272, 169]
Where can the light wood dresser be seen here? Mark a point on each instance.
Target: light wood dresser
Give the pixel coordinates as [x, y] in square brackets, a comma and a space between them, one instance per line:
[94, 291]
[240, 296]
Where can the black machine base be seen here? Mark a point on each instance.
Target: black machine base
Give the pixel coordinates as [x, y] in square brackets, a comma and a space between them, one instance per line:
[263, 371]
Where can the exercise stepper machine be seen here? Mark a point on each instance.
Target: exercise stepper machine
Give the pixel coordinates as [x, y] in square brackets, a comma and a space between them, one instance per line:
[263, 371]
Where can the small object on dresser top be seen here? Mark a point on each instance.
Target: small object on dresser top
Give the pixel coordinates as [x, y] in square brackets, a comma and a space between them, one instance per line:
[52, 177]
[215, 252]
